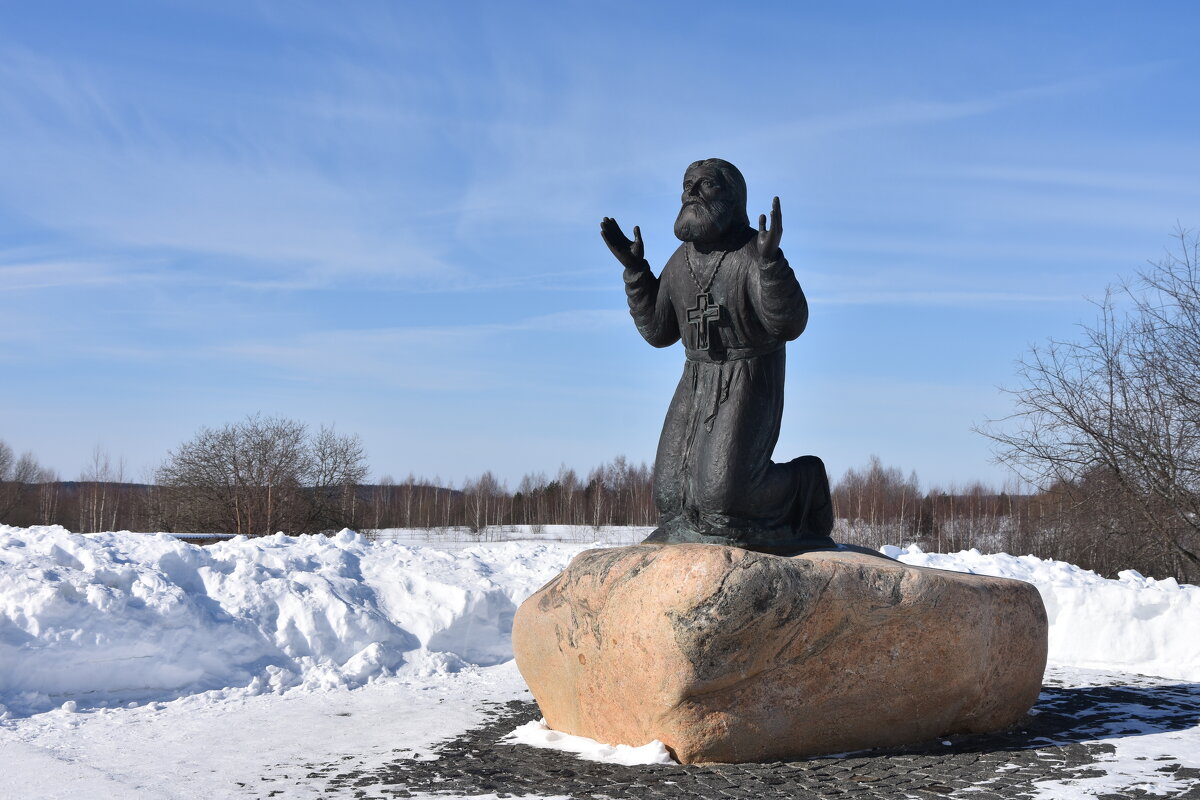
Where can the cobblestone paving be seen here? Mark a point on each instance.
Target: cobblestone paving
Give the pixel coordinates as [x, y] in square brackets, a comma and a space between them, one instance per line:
[1056, 743]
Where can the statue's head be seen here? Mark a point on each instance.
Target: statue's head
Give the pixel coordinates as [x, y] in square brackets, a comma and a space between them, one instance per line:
[714, 202]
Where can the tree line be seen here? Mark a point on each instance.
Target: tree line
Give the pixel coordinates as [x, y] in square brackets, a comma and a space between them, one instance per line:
[1084, 522]
[323, 492]
[264, 475]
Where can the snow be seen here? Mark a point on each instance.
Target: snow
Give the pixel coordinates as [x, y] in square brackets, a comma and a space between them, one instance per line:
[123, 654]
[1133, 624]
[200, 747]
[1135, 760]
[116, 617]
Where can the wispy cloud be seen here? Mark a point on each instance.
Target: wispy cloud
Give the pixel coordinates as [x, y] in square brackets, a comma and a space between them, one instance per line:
[1181, 179]
[565, 157]
[585, 320]
[266, 213]
[117, 180]
[38, 93]
[921, 111]
[408, 338]
[430, 357]
[56, 275]
[955, 299]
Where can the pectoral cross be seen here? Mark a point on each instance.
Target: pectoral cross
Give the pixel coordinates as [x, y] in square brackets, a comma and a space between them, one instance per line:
[707, 310]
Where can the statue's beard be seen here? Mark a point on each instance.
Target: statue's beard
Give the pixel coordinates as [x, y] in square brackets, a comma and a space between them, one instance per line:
[703, 222]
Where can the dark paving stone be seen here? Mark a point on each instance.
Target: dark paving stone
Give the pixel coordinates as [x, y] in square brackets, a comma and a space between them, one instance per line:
[1056, 742]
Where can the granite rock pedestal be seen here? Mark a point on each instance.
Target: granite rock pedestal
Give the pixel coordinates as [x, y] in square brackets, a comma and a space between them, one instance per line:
[727, 655]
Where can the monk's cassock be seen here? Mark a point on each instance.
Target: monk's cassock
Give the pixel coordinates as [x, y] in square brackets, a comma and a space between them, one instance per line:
[714, 480]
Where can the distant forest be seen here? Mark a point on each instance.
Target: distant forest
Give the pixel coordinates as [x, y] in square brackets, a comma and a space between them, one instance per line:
[874, 505]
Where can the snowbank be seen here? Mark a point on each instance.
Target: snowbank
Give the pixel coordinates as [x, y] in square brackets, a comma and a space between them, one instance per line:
[1133, 624]
[120, 617]
[113, 618]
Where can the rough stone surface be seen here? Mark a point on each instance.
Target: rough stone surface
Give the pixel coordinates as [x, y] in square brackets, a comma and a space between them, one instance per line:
[727, 655]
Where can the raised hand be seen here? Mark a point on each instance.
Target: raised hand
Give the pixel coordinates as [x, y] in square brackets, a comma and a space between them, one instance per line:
[768, 238]
[630, 254]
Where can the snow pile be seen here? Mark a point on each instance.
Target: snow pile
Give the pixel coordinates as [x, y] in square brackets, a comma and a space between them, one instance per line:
[1133, 624]
[536, 734]
[111, 618]
[118, 617]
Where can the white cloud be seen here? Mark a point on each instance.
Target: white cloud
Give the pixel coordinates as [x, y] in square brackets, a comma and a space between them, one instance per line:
[931, 297]
[428, 357]
[82, 159]
[56, 275]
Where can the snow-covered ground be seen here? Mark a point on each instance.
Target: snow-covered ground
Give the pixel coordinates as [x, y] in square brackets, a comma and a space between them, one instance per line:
[135, 665]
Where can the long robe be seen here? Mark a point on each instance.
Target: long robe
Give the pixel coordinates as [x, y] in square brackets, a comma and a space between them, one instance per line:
[714, 480]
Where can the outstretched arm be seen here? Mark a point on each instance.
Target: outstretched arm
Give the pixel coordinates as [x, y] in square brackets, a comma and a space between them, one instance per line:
[648, 302]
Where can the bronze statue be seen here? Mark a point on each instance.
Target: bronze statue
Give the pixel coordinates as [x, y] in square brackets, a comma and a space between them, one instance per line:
[730, 295]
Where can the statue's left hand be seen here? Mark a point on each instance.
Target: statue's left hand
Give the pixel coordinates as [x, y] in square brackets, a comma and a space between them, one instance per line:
[768, 238]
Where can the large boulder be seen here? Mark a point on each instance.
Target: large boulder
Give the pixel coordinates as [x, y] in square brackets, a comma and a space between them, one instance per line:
[727, 655]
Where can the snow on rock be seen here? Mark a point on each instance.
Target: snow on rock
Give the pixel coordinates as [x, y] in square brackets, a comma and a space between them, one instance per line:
[1133, 624]
[127, 616]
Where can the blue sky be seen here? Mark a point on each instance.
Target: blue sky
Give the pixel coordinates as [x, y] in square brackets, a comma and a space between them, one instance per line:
[385, 215]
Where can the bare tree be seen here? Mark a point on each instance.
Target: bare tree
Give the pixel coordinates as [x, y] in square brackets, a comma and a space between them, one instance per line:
[101, 490]
[483, 501]
[878, 504]
[7, 459]
[338, 466]
[9, 490]
[18, 476]
[596, 493]
[262, 475]
[1113, 418]
[49, 493]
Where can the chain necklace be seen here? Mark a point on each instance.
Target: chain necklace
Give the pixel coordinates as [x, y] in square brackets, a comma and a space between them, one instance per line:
[706, 310]
[702, 287]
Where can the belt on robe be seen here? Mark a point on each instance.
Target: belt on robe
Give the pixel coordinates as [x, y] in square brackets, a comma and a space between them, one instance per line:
[731, 353]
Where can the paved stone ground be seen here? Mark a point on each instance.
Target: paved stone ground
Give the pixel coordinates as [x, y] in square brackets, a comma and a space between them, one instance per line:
[1058, 742]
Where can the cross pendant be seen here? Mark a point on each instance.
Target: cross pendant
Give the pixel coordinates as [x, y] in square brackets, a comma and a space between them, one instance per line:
[707, 310]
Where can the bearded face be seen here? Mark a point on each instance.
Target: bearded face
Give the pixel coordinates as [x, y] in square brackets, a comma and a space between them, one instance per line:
[708, 209]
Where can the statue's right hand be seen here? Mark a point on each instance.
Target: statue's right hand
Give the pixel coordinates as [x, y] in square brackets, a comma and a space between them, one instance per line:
[630, 254]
